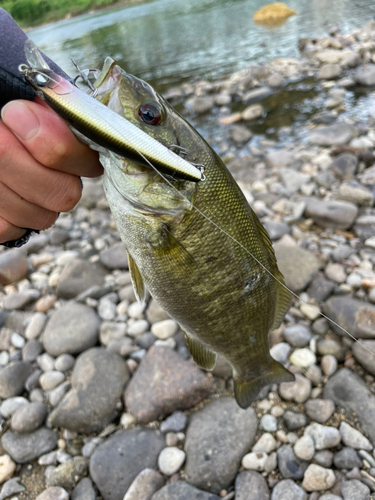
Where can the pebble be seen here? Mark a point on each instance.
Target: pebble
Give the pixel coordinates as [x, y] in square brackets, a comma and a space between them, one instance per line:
[13, 266]
[353, 438]
[54, 493]
[11, 405]
[170, 460]
[13, 377]
[7, 468]
[323, 436]
[164, 329]
[114, 257]
[329, 365]
[347, 458]
[182, 491]
[302, 358]
[174, 423]
[28, 418]
[138, 327]
[323, 458]
[304, 448]
[11, 487]
[297, 391]
[255, 461]
[297, 335]
[317, 478]
[334, 214]
[286, 489]
[355, 490]
[280, 352]
[144, 485]
[294, 421]
[251, 485]
[51, 379]
[297, 265]
[319, 410]
[290, 466]
[64, 362]
[25, 447]
[266, 443]
[269, 423]
[77, 276]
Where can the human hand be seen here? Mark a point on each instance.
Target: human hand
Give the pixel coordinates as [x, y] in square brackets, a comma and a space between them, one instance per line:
[40, 164]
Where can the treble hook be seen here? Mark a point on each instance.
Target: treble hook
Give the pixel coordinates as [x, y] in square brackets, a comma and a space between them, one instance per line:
[85, 78]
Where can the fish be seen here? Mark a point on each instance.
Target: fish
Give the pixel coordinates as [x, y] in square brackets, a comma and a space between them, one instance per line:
[198, 247]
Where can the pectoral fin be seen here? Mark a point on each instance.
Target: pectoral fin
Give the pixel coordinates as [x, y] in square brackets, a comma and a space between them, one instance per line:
[173, 254]
[137, 280]
[204, 357]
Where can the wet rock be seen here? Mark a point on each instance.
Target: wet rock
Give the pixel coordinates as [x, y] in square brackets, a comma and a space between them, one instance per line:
[200, 105]
[252, 112]
[348, 390]
[144, 485]
[353, 438]
[251, 485]
[217, 438]
[13, 266]
[293, 180]
[318, 478]
[363, 354]
[279, 158]
[256, 95]
[319, 410]
[240, 134]
[295, 421]
[297, 391]
[98, 380]
[13, 377]
[356, 193]
[29, 418]
[355, 490]
[71, 330]
[77, 276]
[329, 72]
[344, 166]
[365, 75]
[333, 135]
[290, 466]
[68, 474]
[182, 491]
[329, 56]
[54, 493]
[347, 458]
[84, 490]
[117, 462]
[288, 490]
[335, 214]
[25, 447]
[355, 316]
[114, 257]
[163, 383]
[323, 436]
[297, 265]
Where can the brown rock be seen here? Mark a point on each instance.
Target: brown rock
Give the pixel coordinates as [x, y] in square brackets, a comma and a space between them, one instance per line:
[13, 266]
[163, 383]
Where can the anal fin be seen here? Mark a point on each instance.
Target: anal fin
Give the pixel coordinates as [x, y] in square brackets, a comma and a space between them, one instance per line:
[204, 357]
[137, 280]
[246, 390]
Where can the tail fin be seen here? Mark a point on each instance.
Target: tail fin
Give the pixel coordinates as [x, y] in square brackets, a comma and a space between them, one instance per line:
[246, 390]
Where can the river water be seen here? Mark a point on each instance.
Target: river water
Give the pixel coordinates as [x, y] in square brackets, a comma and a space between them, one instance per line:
[169, 41]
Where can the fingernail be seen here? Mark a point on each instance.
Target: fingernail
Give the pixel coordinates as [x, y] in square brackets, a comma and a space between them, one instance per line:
[20, 119]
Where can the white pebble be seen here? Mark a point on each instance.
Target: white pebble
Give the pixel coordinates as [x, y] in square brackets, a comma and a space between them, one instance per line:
[353, 438]
[170, 460]
[164, 329]
[135, 310]
[304, 448]
[11, 405]
[127, 420]
[329, 364]
[266, 443]
[45, 362]
[255, 461]
[17, 340]
[4, 358]
[137, 328]
[269, 423]
[311, 312]
[7, 468]
[107, 309]
[51, 379]
[303, 358]
[317, 478]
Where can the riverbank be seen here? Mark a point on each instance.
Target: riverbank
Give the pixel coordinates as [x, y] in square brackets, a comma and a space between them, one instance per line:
[126, 407]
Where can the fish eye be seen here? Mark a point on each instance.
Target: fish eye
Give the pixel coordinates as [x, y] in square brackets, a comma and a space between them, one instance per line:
[150, 113]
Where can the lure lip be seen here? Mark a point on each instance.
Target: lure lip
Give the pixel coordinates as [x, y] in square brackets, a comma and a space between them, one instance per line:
[99, 124]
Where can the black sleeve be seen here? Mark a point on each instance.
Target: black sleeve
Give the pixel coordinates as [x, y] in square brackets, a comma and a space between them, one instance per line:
[12, 41]
[12, 84]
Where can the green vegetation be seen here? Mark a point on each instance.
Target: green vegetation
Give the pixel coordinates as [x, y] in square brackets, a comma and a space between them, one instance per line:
[35, 12]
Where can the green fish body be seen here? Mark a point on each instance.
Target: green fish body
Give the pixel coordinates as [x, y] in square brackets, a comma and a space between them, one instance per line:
[202, 272]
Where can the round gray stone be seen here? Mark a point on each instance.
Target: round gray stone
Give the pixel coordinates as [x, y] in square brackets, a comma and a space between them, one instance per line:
[332, 213]
[333, 135]
[29, 418]
[355, 490]
[288, 490]
[297, 265]
[290, 466]
[25, 447]
[13, 377]
[297, 335]
[251, 485]
[84, 490]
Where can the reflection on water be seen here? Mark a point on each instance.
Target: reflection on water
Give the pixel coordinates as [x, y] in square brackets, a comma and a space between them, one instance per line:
[169, 41]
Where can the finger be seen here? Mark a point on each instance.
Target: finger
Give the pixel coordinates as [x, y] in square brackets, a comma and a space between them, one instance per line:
[22, 213]
[51, 189]
[49, 140]
[8, 232]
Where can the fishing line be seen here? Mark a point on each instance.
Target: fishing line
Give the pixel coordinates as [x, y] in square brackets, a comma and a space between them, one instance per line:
[253, 256]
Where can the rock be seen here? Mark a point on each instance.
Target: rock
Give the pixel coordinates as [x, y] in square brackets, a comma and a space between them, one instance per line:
[344, 166]
[51, 379]
[330, 346]
[54, 493]
[329, 365]
[329, 71]
[84, 490]
[7, 468]
[256, 95]
[240, 134]
[365, 75]
[275, 80]
[347, 458]
[266, 443]
[114, 257]
[303, 358]
[288, 490]
[217, 438]
[175, 423]
[290, 466]
[363, 354]
[163, 383]
[92, 192]
[11, 487]
[323, 436]
[335, 214]
[356, 193]
[273, 13]
[280, 352]
[170, 460]
[319, 410]
[279, 158]
[155, 313]
[333, 135]
[304, 448]
[32, 350]
[72, 329]
[335, 272]
[355, 490]
[253, 112]
[68, 474]
[251, 485]
[164, 329]
[353, 438]
[116, 463]
[77, 276]
[297, 335]
[255, 461]
[295, 421]
[329, 496]
[64, 362]
[20, 300]
[13, 266]
[98, 380]
[182, 491]
[144, 485]
[29, 418]
[200, 105]
[318, 478]
[292, 179]
[35, 326]
[276, 230]
[11, 405]
[13, 377]
[297, 265]
[297, 391]
[355, 316]
[329, 56]
[323, 458]
[25, 447]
